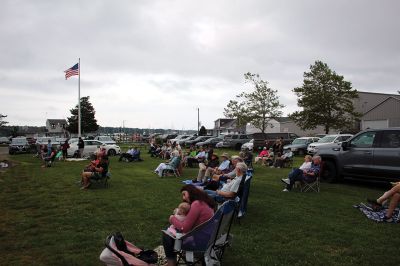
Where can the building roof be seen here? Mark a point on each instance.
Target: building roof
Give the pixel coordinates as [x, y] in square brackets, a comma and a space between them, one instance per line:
[381, 103]
[57, 121]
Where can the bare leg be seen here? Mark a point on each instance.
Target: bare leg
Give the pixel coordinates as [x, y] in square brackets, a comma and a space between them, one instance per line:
[389, 193]
[392, 205]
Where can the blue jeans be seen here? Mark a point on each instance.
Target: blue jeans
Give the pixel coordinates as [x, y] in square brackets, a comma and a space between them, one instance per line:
[213, 194]
[295, 175]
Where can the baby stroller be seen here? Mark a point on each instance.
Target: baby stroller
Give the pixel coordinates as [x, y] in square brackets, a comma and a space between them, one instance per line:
[119, 252]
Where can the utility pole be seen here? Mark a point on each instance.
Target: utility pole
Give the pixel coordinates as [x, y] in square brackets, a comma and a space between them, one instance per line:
[198, 121]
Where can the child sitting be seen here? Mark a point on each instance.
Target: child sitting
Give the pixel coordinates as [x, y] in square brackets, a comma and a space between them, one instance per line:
[180, 213]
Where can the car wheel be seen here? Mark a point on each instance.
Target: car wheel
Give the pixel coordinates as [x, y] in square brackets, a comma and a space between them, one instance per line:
[329, 172]
[301, 152]
[111, 152]
[238, 146]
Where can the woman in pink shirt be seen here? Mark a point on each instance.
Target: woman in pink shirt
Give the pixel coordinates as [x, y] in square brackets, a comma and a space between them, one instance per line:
[201, 210]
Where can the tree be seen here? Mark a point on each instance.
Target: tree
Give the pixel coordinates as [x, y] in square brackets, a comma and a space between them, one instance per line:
[88, 121]
[2, 122]
[202, 131]
[257, 107]
[326, 99]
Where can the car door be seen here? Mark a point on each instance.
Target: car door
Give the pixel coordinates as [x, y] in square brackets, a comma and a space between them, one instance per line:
[358, 158]
[387, 155]
[90, 147]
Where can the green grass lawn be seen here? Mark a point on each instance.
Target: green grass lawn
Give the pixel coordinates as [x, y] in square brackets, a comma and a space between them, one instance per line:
[47, 220]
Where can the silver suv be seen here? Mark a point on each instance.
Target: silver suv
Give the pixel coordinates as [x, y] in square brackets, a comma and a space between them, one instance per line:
[371, 154]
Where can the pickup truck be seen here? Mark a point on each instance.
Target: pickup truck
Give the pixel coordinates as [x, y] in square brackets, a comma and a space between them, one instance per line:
[373, 154]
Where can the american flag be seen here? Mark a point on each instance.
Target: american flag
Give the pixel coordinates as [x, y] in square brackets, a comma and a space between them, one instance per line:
[73, 71]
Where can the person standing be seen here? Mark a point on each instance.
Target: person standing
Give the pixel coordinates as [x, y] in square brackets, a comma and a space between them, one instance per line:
[81, 146]
[64, 149]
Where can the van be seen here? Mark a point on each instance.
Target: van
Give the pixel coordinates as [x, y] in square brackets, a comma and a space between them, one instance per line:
[267, 139]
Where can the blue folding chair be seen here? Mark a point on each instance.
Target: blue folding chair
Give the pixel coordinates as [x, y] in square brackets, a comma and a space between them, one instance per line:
[206, 243]
[242, 201]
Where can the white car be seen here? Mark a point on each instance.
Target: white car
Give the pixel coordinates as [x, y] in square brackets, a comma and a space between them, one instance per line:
[249, 145]
[327, 141]
[91, 147]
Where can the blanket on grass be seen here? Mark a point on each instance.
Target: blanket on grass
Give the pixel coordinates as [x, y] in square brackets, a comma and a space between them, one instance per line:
[377, 215]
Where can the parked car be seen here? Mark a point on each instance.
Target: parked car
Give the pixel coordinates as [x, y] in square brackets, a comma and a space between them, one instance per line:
[4, 140]
[211, 142]
[262, 140]
[236, 141]
[198, 139]
[179, 137]
[183, 141]
[248, 145]
[221, 143]
[19, 145]
[328, 141]
[299, 145]
[105, 139]
[91, 147]
[371, 154]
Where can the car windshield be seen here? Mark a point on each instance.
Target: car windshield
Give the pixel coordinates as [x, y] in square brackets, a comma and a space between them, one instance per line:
[327, 139]
[300, 141]
[18, 141]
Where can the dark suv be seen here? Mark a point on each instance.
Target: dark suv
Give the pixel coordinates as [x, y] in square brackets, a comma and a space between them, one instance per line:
[262, 140]
[236, 141]
[371, 154]
[19, 145]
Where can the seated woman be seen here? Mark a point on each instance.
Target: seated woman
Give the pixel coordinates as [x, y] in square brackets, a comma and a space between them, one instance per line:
[269, 160]
[99, 171]
[393, 195]
[306, 175]
[201, 210]
[263, 154]
[172, 164]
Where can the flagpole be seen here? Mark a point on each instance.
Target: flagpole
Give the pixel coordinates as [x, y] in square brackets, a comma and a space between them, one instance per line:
[79, 98]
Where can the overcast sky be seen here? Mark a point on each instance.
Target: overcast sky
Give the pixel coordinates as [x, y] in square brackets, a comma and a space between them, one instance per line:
[153, 63]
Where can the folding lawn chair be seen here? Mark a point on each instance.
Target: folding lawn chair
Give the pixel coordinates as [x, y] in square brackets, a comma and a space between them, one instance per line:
[206, 243]
[314, 185]
[242, 201]
[174, 169]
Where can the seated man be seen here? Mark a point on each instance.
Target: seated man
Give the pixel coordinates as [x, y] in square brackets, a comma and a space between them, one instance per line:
[135, 155]
[199, 158]
[231, 188]
[127, 155]
[206, 168]
[99, 171]
[281, 160]
[224, 166]
[307, 175]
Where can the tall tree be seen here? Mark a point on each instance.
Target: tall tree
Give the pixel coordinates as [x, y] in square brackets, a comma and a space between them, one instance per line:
[88, 120]
[2, 122]
[256, 107]
[326, 99]
[202, 131]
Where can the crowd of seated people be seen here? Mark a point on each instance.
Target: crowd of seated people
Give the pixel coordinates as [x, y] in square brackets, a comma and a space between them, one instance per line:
[265, 157]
